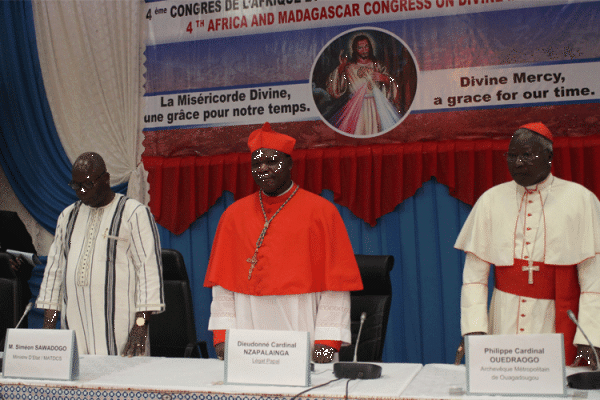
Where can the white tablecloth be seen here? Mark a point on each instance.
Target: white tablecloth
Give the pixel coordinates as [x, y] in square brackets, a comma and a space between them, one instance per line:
[187, 378]
[178, 378]
[446, 381]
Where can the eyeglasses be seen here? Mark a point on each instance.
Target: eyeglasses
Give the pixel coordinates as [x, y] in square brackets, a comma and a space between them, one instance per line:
[85, 185]
[526, 158]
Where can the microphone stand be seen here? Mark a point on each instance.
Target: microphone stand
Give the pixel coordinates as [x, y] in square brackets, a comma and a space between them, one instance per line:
[355, 370]
[27, 309]
[584, 380]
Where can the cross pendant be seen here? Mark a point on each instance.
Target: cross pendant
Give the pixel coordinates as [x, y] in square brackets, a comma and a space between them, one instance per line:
[252, 261]
[530, 268]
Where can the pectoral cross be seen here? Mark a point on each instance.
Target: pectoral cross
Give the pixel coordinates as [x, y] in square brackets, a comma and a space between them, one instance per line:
[252, 261]
[530, 268]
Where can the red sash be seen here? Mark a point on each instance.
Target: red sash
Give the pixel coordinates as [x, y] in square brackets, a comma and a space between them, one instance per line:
[552, 282]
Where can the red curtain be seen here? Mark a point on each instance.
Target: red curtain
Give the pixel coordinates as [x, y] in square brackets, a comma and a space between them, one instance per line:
[368, 180]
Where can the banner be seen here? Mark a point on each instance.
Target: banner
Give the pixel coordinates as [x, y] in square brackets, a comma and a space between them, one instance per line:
[352, 73]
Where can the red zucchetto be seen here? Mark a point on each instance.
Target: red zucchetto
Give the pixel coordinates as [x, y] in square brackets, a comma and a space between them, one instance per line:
[265, 138]
[539, 128]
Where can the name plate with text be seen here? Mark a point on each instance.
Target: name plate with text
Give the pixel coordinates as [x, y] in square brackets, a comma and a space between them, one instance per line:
[516, 364]
[41, 354]
[255, 357]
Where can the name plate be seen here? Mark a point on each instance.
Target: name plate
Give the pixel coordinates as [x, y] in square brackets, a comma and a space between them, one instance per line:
[515, 364]
[41, 354]
[255, 357]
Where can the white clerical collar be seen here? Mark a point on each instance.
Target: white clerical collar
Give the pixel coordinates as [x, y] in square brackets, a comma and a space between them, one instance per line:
[541, 186]
[286, 191]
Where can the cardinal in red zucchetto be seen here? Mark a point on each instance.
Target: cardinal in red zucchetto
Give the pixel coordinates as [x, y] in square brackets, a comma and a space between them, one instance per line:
[281, 258]
[542, 234]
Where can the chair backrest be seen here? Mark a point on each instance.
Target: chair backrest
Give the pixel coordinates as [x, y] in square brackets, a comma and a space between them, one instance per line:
[173, 330]
[375, 300]
[10, 297]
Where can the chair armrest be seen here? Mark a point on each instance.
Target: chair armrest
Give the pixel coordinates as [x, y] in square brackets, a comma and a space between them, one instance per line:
[203, 349]
[198, 349]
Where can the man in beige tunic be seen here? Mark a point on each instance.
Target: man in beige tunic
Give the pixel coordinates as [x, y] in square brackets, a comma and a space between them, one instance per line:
[104, 270]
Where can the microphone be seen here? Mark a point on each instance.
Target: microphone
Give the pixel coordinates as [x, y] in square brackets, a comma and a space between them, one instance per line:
[363, 318]
[584, 380]
[355, 370]
[27, 309]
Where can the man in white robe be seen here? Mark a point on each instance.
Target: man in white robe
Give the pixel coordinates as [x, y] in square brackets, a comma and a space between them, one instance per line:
[542, 234]
[104, 270]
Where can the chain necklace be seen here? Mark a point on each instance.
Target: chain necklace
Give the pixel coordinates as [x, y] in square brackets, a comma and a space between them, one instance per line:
[254, 259]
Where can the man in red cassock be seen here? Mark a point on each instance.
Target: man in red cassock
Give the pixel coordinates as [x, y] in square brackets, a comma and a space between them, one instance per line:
[281, 258]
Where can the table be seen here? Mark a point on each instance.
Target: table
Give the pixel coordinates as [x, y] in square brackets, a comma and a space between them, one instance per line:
[106, 377]
[446, 381]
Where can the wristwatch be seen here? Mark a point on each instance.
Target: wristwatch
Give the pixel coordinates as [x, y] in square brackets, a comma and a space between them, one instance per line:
[140, 321]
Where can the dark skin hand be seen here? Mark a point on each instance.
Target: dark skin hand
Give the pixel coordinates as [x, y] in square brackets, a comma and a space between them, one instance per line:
[460, 352]
[220, 349]
[321, 353]
[136, 344]
[16, 263]
[585, 357]
[50, 319]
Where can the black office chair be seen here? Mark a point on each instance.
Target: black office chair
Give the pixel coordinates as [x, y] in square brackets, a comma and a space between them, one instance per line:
[375, 299]
[173, 332]
[11, 302]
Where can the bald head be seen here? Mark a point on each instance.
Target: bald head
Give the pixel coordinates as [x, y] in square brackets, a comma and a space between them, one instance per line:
[89, 162]
[91, 181]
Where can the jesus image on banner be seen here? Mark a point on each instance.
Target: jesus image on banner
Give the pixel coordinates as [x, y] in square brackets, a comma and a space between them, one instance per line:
[364, 82]
[373, 92]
